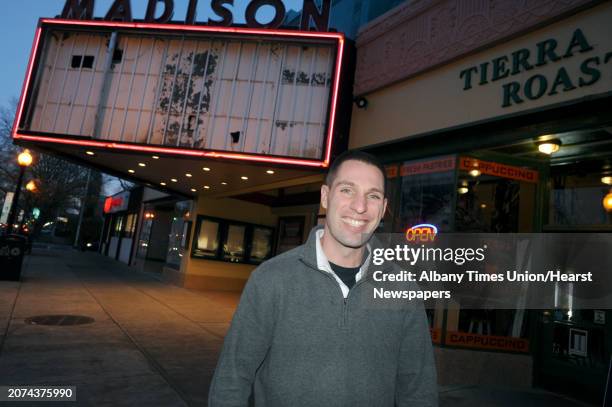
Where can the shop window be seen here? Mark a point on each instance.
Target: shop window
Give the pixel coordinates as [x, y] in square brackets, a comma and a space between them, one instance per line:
[118, 226]
[176, 237]
[233, 247]
[499, 330]
[145, 237]
[493, 322]
[207, 239]
[579, 347]
[290, 232]
[426, 193]
[494, 197]
[226, 240]
[261, 244]
[130, 226]
[577, 198]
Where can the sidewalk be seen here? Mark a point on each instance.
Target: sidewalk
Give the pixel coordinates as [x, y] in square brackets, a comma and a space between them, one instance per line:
[151, 343]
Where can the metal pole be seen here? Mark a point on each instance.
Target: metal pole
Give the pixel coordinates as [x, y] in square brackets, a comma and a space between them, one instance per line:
[99, 117]
[82, 210]
[11, 217]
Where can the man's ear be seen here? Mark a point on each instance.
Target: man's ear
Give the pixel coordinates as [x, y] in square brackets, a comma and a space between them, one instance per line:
[384, 207]
[324, 195]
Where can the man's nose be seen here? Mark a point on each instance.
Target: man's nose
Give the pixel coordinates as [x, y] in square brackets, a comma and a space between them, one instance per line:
[359, 204]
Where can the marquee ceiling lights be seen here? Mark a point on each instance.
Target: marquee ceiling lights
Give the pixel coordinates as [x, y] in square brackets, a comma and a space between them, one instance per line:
[463, 189]
[607, 180]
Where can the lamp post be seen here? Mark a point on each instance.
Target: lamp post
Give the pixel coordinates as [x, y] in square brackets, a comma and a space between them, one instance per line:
[24, 160]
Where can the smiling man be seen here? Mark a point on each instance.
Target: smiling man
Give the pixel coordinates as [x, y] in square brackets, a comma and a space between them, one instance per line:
[307, 331]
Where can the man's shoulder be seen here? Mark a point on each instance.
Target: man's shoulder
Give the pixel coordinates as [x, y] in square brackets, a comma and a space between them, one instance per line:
[282, 263]
[290, 257]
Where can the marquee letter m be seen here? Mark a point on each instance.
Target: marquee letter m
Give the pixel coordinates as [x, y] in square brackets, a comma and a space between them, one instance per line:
[78, 9]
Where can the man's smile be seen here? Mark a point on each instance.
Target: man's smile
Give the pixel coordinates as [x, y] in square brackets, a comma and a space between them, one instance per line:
[354, 222]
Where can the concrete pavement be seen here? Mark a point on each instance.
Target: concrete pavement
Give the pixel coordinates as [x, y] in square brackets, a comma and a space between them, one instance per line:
[151, 343]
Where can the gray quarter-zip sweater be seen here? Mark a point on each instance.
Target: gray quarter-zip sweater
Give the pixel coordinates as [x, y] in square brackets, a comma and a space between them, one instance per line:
[296, 341]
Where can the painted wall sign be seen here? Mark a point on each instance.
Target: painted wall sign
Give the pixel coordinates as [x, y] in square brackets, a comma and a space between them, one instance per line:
[498, 169]
[477, 341]
[162, 11]
[436, 101]
[427, 167]
[391, 171]
[549, 51]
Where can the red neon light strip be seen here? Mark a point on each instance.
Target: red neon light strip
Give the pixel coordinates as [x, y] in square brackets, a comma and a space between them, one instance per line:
[332, 116]
[181, 27]
[26, 81]
[173, 151]
[194, 153]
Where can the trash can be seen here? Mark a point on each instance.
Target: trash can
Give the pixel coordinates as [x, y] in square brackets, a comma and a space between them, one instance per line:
[12, 249]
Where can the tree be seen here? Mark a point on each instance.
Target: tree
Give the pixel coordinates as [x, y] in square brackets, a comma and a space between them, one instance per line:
[8, 151]
[60, 185]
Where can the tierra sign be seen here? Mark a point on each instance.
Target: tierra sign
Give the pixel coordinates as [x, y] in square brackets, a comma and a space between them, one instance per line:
[546, 52]
[161, 11]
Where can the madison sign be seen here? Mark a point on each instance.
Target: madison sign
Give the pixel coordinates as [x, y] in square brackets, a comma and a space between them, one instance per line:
[161, 11]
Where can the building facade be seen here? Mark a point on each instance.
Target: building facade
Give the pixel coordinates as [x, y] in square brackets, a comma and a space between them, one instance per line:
[460, 99]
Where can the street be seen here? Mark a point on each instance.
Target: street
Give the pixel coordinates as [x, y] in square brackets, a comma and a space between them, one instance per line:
[150, 343]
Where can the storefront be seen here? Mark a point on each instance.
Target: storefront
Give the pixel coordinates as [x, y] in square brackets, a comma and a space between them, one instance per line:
[120, 224]
[239, 122]
[500, 129]
[161, 226]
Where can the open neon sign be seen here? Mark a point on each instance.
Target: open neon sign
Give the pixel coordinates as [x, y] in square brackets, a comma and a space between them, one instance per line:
[423, 232]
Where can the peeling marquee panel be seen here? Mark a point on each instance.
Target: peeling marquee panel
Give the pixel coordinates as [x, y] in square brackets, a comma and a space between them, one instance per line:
[269, 93]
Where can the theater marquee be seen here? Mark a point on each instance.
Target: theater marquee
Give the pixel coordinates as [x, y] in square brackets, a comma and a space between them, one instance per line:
[201, 91]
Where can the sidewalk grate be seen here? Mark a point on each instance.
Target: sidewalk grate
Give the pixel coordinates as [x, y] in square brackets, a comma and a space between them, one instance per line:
[59, 320]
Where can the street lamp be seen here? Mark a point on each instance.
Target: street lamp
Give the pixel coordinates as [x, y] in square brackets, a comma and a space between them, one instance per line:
[24, 159]
[31, 186]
